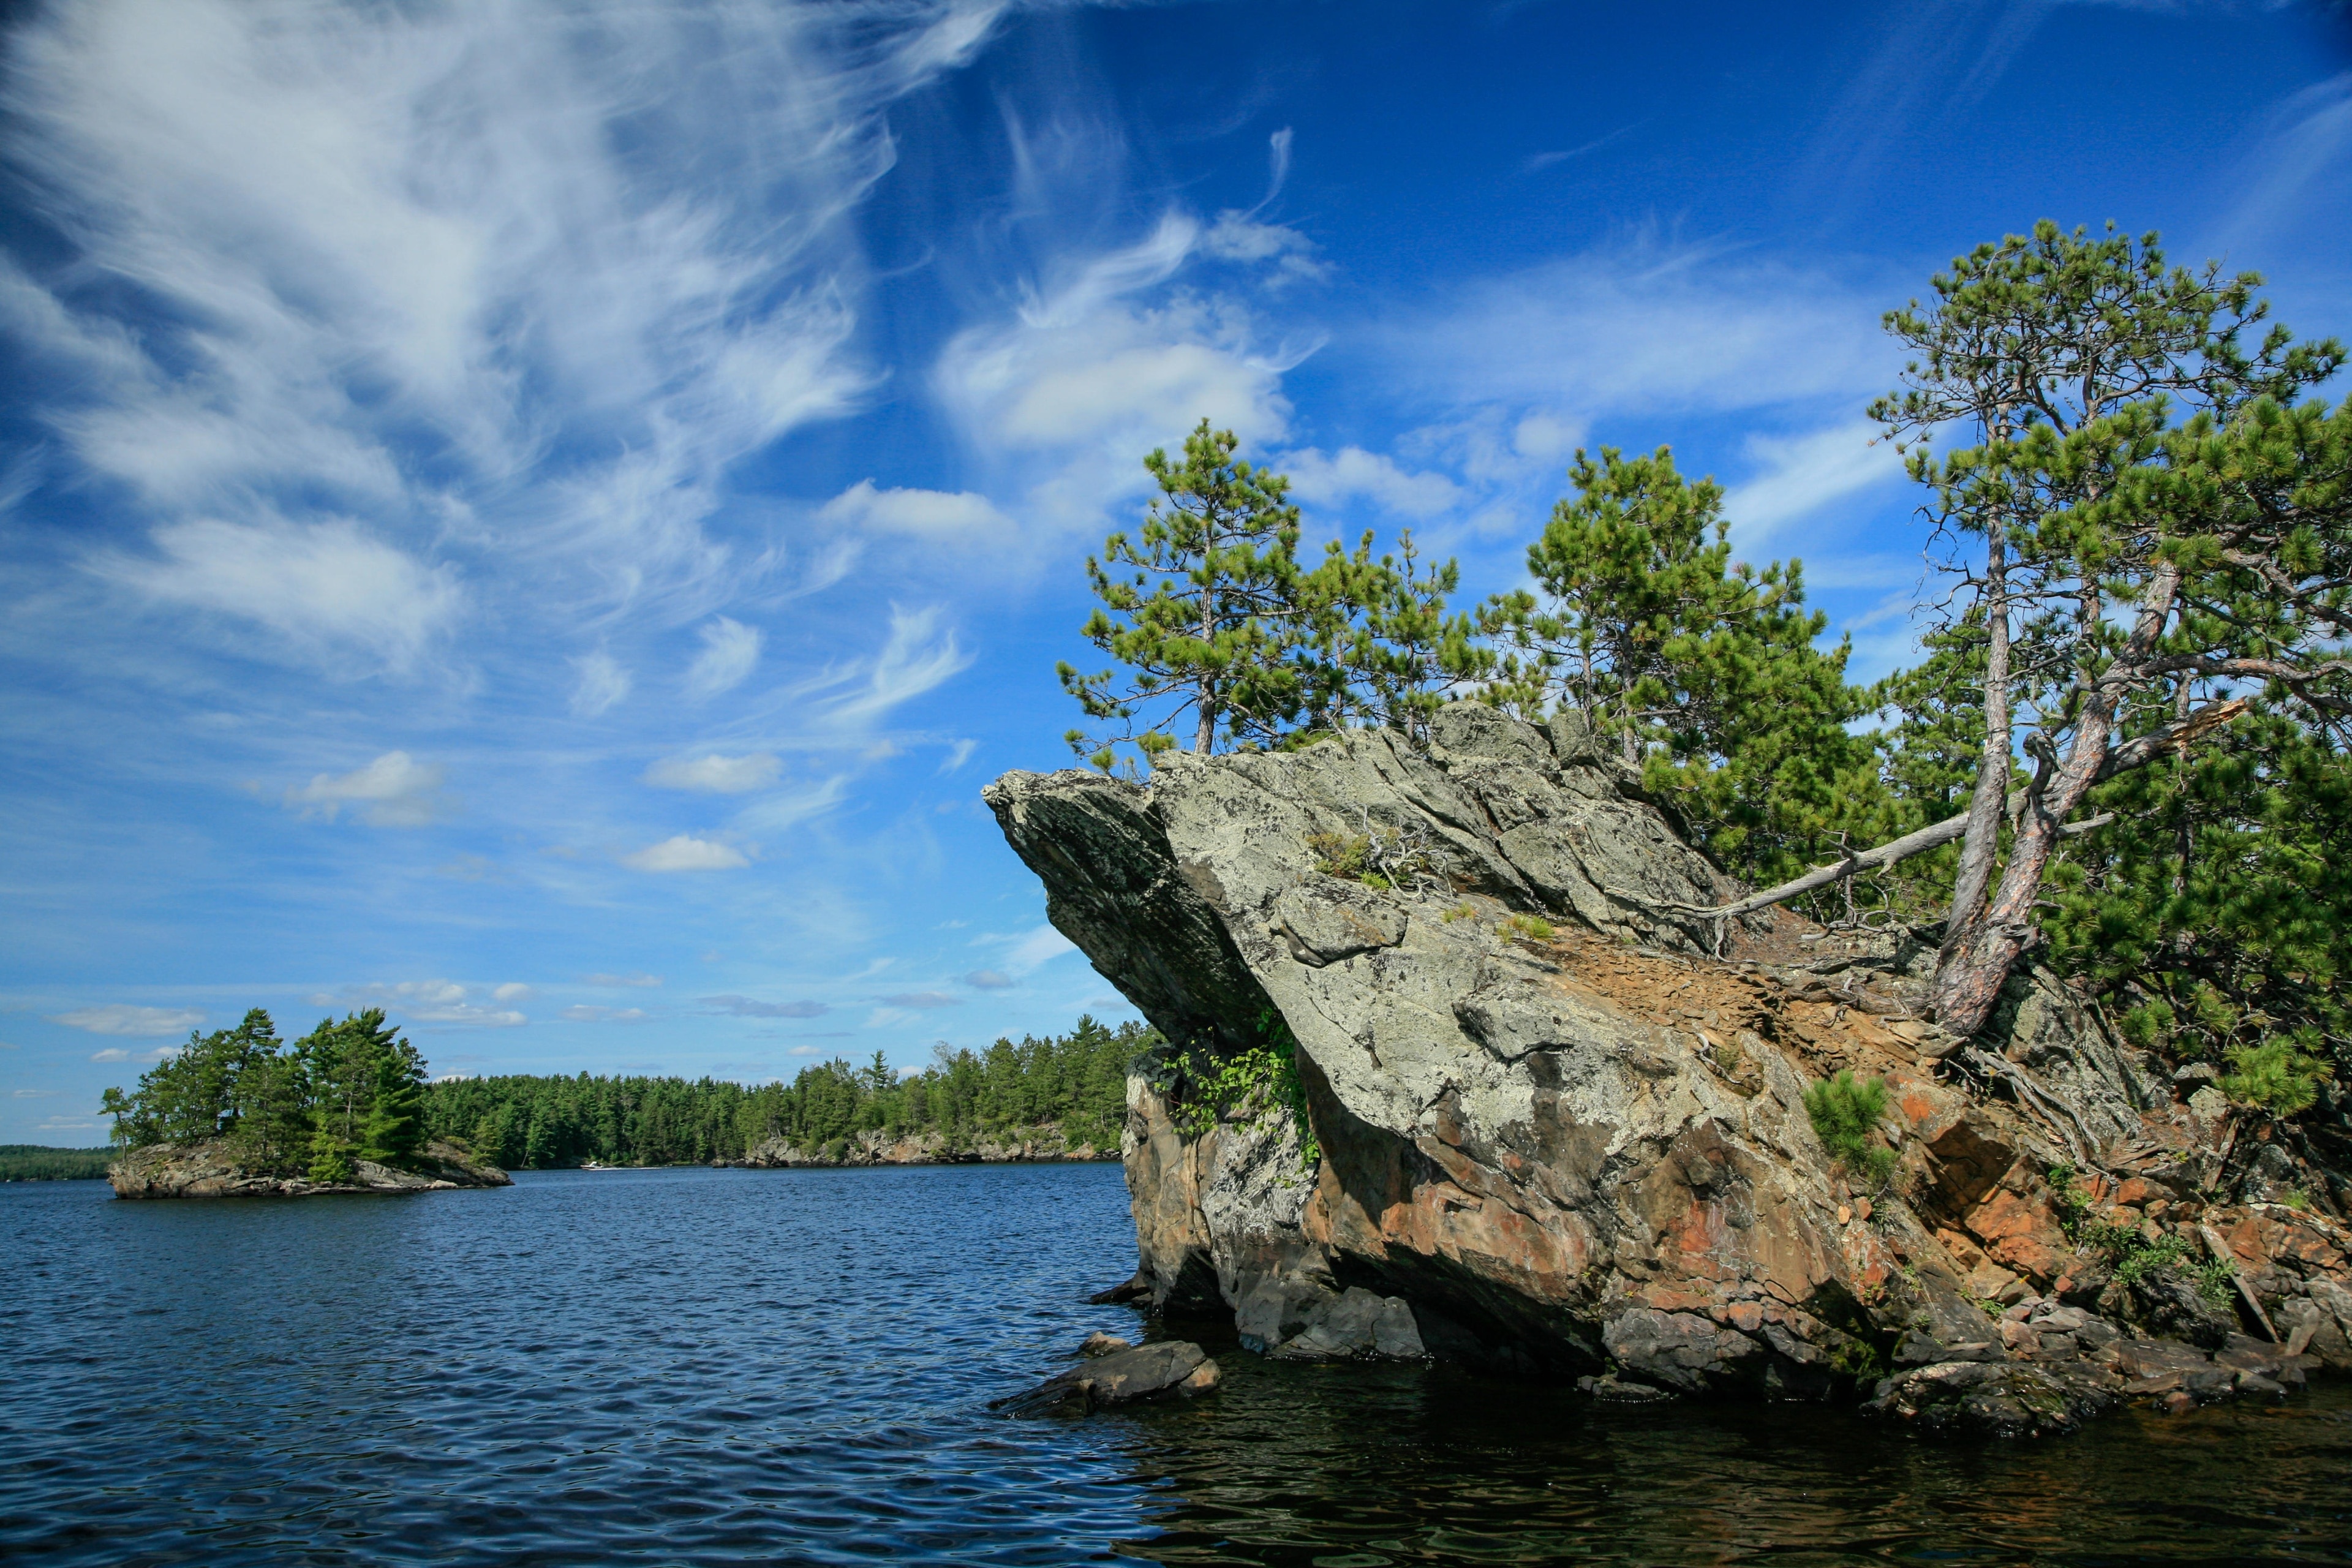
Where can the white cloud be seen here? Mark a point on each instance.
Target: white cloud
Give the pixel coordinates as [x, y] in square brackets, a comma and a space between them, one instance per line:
[112, 1054]
[583, 1014]
[957, 754]
[640, 980]
[987, 980]
[1237, 237]
[686, 853]
[730, 651]
[442, 1002]
[1105, 365]
[601, 683]
[916, 657]
[1644, 327]
[1036, 947]
[714, 773]
[120, 1018]
[394, 791]
[525, 278]
[32, 1094]
[1353, 471]
[513, 991]
[1803, 474]
[939, 516]
[328, 588]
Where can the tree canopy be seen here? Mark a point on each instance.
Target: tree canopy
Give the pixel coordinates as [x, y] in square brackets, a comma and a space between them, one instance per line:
[2123, 750]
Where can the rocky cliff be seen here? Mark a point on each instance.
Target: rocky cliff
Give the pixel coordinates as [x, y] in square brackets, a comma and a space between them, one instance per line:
[1584, 1150]
[209, 1168]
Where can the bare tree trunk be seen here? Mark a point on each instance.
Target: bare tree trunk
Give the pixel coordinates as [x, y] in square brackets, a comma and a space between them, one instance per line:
[1981, 845]
[1975, 958]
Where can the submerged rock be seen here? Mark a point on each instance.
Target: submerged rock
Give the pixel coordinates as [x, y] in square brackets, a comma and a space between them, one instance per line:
[210, 1168]
[1120, 1376]
[1582, 1149]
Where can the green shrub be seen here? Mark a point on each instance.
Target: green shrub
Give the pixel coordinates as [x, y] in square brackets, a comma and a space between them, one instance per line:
[1844, 1111]
[1340, 854]
[1262, 1078]
[1534, 927]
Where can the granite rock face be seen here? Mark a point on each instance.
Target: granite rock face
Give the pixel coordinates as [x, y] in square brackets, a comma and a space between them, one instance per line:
[208, 1168]
[1583, 1148]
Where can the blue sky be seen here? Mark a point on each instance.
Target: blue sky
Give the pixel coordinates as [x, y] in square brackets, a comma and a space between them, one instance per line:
[542, 517]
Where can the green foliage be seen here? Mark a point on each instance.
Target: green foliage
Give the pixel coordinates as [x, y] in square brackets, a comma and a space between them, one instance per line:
[347, 1090]
[1077, 1082]
[1209, 1088]
[36, 1163]
[1845, 1110]
[1340, 854]
[1700, 671]
[2275, 1076]
[1222, 633]
[1209, 620]
[1535, 928]
[2131, 1254]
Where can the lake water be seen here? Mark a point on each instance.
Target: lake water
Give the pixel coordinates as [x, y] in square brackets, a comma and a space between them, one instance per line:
[691, 1366]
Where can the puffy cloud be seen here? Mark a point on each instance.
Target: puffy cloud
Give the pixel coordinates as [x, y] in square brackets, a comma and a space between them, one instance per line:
[746, 1007]
[1352, 472]
[394, 791]
[943, 517]
[686, 853]
[325, 587]
[121, 1018]
[513, 991]
[715, 774]
[638, 981]
[730, 651]
[602, 682]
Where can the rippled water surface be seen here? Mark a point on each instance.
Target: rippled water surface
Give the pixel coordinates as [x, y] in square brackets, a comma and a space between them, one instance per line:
[696, 1366]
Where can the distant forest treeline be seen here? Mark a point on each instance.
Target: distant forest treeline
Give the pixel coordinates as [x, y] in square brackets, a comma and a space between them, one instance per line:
[38, 1162]
[1077, 1080]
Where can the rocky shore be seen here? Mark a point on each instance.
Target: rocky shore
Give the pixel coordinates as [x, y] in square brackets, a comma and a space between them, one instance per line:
[210, 1168]
[1583, 1151]
[1017, 1146]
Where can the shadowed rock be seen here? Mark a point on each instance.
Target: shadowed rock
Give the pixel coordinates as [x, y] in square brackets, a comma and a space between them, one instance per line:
[1171, 1366]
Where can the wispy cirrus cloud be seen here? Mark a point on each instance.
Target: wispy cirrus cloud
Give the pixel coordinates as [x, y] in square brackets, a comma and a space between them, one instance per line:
[749, 1007]
[124, 1018]
[684, 852]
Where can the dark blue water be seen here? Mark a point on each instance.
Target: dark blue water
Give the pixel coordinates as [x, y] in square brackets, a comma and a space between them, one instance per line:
[791, 1366]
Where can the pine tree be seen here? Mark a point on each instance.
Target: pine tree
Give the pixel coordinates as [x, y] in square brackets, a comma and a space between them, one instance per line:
[393, 1129]
[1702, 671]
[2107, 541]
[1208, 622]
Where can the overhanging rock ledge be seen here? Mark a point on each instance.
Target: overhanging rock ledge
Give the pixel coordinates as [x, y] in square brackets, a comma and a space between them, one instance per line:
[1587, 1153]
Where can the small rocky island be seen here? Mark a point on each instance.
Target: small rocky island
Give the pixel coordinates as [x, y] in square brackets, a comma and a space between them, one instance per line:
[1405, 1114]
[217, 1168]
[237, 1113]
